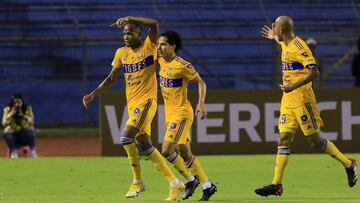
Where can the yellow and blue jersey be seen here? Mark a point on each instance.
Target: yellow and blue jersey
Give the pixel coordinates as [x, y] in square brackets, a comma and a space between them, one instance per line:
[297, 60]
[139, 70]
[174, 80]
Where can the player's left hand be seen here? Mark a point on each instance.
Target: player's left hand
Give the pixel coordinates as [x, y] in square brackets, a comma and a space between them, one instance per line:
[121, 22]
[287, 87]
[202, 110]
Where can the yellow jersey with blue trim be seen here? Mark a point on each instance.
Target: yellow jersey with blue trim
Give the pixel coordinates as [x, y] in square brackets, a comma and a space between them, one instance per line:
[297, 60]
[139, 68]
[174, 79]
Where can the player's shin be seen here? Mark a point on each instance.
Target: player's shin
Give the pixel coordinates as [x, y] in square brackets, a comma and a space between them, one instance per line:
[281, 162]
[159, 162]
[133, 155]
[333, 151]
[178, 163]
[196, 169]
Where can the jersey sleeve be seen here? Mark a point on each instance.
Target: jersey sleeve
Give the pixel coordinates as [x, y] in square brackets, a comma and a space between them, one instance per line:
[189, 72]
[116, 63]
[306, 58]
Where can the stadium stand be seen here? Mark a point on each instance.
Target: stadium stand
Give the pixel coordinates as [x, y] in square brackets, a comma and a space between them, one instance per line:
[54, 51]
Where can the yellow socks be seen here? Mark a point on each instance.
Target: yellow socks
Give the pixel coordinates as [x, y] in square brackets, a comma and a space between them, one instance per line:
[178, 163]
[333, 151]
[133, 156]
[159, 162]
[281, 161]
[196, 169]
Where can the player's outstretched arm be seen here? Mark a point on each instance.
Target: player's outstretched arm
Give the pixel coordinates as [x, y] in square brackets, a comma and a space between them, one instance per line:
[268, 33]
[108, 82]
[308, 77]
[153, 24]
[200, 108]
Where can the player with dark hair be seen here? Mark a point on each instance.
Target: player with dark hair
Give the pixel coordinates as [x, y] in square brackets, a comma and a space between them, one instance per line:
[175, 75]
[137, 62]
[298, 104]
[18, 122]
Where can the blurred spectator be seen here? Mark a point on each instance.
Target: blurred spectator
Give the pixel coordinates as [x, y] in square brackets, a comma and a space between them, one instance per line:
[18, 122]
[355, 68]
[311, 42]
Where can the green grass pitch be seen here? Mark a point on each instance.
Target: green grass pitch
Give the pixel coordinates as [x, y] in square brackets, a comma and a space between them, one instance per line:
[308, 178]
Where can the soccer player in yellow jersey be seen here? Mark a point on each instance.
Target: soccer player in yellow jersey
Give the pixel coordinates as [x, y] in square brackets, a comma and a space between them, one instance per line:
[137, 62]
[298, 105]
[175, 75]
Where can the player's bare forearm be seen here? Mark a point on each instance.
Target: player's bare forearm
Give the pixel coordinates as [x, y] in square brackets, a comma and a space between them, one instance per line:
[276, 39]
[153, 24]
[308, 77]
[201, 91]
[154, 27]
[108, 82]
[145, 21]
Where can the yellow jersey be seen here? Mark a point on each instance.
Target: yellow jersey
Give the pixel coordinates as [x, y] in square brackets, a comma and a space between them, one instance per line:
[139, 70]
[297, 59]
[174, 80]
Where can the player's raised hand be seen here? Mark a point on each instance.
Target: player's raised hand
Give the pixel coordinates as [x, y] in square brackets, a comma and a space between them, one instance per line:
[121, 22]
[202, 110]
[268, 32]
[87, 99]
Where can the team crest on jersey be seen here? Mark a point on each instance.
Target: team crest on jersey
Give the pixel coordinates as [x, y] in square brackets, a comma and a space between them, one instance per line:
[136, 111]
[125, 57]
[140, 54]
[172, 126]
[168, 74]
[304, 118]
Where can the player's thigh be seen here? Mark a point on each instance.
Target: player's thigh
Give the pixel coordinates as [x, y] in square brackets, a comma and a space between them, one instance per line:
[178, 130]
[308, 118]
[141, 116]
[287, 121]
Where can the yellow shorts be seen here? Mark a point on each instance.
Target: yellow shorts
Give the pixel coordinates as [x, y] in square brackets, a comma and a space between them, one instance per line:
[178, 131]
[307, 116]
[141, 115]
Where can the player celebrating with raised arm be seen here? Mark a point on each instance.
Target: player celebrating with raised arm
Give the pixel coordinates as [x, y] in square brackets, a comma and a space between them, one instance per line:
[137, 61]
[175, 74]
[298, 105]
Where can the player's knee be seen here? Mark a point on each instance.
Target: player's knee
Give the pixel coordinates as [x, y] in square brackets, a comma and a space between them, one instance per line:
[284, 141]
[315, 144]
[167, 152]
[126, 139]
[185, 153]
[147, 150]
